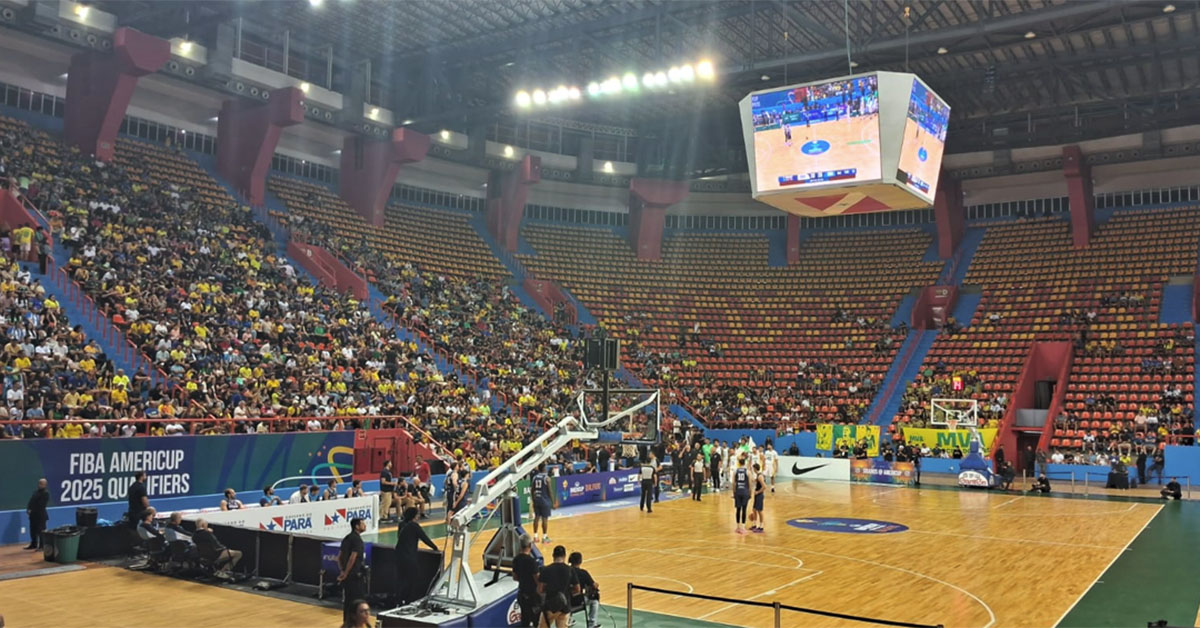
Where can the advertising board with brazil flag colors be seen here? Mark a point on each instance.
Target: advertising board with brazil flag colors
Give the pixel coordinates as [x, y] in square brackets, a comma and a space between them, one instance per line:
[95, 470]
[947, 439]
[832, 436]
[880, 471]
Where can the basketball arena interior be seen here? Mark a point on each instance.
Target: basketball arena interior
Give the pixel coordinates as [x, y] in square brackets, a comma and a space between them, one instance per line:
[645, 313]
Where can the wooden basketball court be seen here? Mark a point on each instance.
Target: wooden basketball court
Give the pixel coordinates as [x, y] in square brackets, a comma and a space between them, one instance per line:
[970, 559]
[853, 143]
[916, 138]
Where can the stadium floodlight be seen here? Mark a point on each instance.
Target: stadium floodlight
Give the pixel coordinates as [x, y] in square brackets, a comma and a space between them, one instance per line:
[508, 151]
[630, 81]
[673, 75]
[81, 11]
[704, 69]
[445, 135]
[573, 93]
[648, 79]
[539, 97]
[185, 46]
[1170, 8]
[942, 50]
[1030, 35]
[686, 73]
[594, 89]
[612, 85]
[660, 78]
[553, 97]
[304, 86]
[523, 99]
[374, 111]
[316, 4]
[608, 167]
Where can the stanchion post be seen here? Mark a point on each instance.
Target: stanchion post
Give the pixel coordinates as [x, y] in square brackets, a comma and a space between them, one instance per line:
[1086, 484]
[628, 605]
[1072, 482]
[777, 624]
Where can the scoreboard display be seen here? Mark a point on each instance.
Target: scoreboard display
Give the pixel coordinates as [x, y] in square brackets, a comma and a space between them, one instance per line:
[854, 144]
[814, 134]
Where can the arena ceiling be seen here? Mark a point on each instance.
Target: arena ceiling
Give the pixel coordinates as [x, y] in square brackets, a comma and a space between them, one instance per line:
[1016, 72]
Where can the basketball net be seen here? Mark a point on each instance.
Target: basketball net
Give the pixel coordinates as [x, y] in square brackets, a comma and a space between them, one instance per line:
[952, 423]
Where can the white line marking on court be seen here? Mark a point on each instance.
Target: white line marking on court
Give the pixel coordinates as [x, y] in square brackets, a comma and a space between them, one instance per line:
[1008, 540]
[674, 552]
[608, 555]
[690, 588]
[755, 597]
[1110, 564]
[1008, 502]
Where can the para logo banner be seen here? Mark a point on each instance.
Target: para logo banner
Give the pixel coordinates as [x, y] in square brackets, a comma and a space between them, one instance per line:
[880, 471]
[947, 439]
[831, 436]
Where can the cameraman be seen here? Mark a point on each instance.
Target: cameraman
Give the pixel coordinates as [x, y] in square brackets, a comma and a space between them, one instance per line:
[589, 596]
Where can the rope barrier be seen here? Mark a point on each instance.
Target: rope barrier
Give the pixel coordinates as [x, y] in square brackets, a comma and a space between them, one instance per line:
[786, 607]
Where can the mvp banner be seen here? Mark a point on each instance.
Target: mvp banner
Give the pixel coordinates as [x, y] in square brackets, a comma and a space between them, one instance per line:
[830, 437]
[947, 439]
[94, 470]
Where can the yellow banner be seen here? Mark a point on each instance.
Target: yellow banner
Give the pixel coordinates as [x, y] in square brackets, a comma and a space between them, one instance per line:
[830, 436]
[946, 439]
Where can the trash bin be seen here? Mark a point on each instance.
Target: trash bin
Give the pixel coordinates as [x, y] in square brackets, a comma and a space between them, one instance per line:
[66, 543]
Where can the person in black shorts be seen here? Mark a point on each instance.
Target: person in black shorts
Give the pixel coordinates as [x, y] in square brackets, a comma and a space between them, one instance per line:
[558, 582]
[539, 493]
[741, 494]
[760, 490]
[787, 134]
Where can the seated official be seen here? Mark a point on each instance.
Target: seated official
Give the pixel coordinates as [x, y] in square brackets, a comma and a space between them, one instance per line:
[269, 498]
[1041, 484]
[589, 591]
[410, 496]
[300, 496]
[231, 502]
[209, 548]
[330, 491]
[175, 532]
[1007, 474]
[355, 489]
[1172, 490]
[146, 529]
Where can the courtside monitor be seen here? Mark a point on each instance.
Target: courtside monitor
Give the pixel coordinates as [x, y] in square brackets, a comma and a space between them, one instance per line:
[854, 144]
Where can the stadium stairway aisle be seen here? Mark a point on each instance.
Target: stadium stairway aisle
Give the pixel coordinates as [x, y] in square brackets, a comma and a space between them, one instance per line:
[966, 253]
[100, 329]
[514, 266]
[904, 368]
[1177, 301]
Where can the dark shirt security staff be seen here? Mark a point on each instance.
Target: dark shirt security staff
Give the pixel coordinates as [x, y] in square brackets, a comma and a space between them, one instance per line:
[350, 564]
[36, 509]
[138, 500]
[524, 571]
[407, 536]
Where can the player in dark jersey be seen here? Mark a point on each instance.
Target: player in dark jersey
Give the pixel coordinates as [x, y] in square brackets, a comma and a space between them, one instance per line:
[760, 489]
[539, 492]
[787, 134]
[741, 494]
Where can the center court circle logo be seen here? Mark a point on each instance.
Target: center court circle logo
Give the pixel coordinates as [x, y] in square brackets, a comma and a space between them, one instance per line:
[848, 526]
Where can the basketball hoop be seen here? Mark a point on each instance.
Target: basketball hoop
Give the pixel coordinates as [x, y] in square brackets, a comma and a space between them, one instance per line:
[952, 424]
[951, 413]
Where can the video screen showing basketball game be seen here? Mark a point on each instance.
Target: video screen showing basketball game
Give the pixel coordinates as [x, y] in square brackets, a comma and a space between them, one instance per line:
[924, 141]
[817, 134]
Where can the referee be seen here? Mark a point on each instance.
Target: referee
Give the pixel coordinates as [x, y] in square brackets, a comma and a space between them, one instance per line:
[649, 480]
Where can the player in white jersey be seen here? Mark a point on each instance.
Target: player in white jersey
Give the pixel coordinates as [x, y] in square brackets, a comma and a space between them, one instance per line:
[772, 465]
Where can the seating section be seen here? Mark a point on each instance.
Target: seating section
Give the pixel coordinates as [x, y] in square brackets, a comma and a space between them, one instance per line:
[740, 341]
[1106, 299]
[433, 240]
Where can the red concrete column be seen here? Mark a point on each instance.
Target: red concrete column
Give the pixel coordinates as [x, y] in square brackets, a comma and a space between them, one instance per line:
[948, 212]
[247, 133]
[507, 194]
[793, 238]
[1079, 188]
[100, 86]
[369, 169]
[649, 200]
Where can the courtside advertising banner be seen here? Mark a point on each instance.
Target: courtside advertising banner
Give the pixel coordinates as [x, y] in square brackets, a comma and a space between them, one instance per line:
[880, 471]
[95, 470]
[806, 468]
[327, 519]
